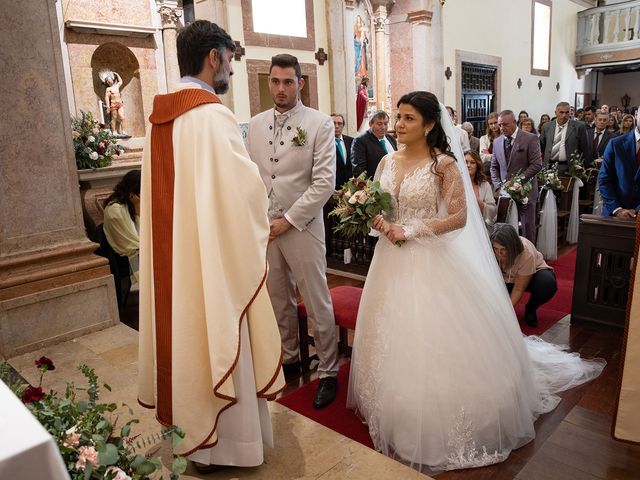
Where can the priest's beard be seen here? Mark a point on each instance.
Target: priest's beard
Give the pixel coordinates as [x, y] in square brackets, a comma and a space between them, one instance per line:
[221, 82]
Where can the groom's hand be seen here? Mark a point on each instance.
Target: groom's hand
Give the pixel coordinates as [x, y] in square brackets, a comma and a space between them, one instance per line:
[278, 227]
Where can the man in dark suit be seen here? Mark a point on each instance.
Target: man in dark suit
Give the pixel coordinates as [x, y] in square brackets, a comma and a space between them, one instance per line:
[619, 178]
[589, 117]
[561, 137]
[517, 152]
[344, 170]
[369, 147]
[600, 135]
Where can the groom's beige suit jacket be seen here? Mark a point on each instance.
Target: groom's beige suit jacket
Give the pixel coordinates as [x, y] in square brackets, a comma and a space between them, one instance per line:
[302, 177]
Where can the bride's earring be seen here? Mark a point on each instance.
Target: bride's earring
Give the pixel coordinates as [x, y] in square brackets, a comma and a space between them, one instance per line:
[426, 132]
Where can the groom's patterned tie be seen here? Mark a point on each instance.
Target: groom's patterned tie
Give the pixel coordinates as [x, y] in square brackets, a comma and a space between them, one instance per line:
[555, 150]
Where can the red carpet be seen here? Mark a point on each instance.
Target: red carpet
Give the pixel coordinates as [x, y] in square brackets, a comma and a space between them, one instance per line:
[335, 416]
[560, 305]
[338, 418]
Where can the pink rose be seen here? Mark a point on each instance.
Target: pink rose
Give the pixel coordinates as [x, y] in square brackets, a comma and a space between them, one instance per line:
[87, 454]
[72, 440]
[75, 134]
[360, 197]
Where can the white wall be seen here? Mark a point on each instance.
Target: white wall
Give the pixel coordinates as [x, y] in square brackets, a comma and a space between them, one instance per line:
[613, 87]
[502, 28]
[240, 80]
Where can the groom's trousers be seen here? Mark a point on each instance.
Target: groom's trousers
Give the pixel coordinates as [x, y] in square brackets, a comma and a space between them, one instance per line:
[297, 257]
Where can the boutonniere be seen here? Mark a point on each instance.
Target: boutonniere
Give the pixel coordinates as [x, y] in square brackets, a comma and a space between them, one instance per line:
[300, 138]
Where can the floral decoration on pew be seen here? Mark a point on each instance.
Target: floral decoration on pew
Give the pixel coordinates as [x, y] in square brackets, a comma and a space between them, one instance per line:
[517, 188]
[576, 166]
[357, 203]
[549, 179]
[85, 430]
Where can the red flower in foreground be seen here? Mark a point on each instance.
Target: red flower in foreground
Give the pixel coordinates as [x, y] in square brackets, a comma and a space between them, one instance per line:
[361, 184]
[32, 394]
[45, 364]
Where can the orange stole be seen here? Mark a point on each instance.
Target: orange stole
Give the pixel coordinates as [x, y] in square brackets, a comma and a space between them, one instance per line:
[166, 108]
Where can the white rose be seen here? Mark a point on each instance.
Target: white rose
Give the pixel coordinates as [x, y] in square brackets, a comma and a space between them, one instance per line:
[88, 150]
[91, 138]
[93, 155]
[353, 199]
[525, 200]
[361, 196]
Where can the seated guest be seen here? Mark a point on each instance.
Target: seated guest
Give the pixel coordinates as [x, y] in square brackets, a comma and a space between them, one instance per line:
[617, 178]
[626, 124]
[122, 219]
[368, 148]
[474, 142]
[528, 126]
[486, 141]
[523, 269]
[544, 118]
[463, 137]
[521, 116]
[612, 125]
[481, 187]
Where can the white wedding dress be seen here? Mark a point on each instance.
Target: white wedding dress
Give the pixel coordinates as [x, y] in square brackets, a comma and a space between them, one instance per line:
[440, 371]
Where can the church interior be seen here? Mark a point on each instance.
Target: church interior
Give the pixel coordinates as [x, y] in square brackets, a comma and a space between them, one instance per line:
[65, 293]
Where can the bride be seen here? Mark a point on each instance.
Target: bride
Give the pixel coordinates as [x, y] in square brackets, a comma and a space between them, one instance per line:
[440, 371]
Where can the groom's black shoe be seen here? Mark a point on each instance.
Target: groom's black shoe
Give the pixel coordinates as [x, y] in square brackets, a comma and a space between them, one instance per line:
[530, 318]
[291, 369]
[326, 392]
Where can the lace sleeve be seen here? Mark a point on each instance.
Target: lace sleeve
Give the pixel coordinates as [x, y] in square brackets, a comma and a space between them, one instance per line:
[453, 209]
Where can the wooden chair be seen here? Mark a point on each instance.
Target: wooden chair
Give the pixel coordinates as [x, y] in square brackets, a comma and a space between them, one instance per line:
[346, 301]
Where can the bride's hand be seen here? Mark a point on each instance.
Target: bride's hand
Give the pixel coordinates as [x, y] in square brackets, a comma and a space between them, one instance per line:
[395, 233]
[380, 224]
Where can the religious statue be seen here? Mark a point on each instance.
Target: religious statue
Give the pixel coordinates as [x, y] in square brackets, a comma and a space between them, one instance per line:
[362, 98]
[113, 101]
[360, 42]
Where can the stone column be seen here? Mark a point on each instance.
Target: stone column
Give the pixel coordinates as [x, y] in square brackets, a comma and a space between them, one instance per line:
[420, 21]
[170, 15]
[380, 22]
[436, 60]
[52, 287]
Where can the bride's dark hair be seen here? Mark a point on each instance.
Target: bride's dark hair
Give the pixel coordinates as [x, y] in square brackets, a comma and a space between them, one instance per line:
[428, 106]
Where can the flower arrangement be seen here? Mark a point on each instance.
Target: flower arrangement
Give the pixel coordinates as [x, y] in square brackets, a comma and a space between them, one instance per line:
[94, 144]
[358, 201]
[85, 430]
[549, 179]
[300, 138]
[517, 188]
[576, 167]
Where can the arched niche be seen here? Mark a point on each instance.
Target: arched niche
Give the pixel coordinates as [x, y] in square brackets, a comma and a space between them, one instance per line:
[117, 57]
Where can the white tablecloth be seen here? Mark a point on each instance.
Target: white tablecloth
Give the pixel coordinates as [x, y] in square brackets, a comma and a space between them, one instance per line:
[27, 451]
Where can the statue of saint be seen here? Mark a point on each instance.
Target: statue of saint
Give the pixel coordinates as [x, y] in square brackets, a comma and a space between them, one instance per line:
[113, 101]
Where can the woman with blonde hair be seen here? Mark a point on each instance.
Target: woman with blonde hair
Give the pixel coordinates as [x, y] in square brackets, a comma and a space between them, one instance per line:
[626, 124]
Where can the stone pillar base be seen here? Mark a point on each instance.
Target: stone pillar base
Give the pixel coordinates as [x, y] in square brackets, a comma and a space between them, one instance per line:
[51, 296]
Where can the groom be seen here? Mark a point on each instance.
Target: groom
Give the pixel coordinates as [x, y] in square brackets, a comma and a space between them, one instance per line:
[295, 151]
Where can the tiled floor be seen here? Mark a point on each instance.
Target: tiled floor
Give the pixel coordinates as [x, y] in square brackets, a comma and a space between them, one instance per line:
[303, 448]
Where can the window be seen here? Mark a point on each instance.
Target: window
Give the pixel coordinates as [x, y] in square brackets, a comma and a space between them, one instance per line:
[540, 37]
[189, 11]
[280, 17]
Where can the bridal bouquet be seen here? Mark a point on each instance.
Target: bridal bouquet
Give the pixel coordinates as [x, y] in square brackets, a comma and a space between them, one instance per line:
[549, 179]
[517, 188]
[358, 201]
[576, 167]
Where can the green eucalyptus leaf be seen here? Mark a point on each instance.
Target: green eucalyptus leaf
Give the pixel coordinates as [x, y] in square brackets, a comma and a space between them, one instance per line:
[179, 465]
[108, 455]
